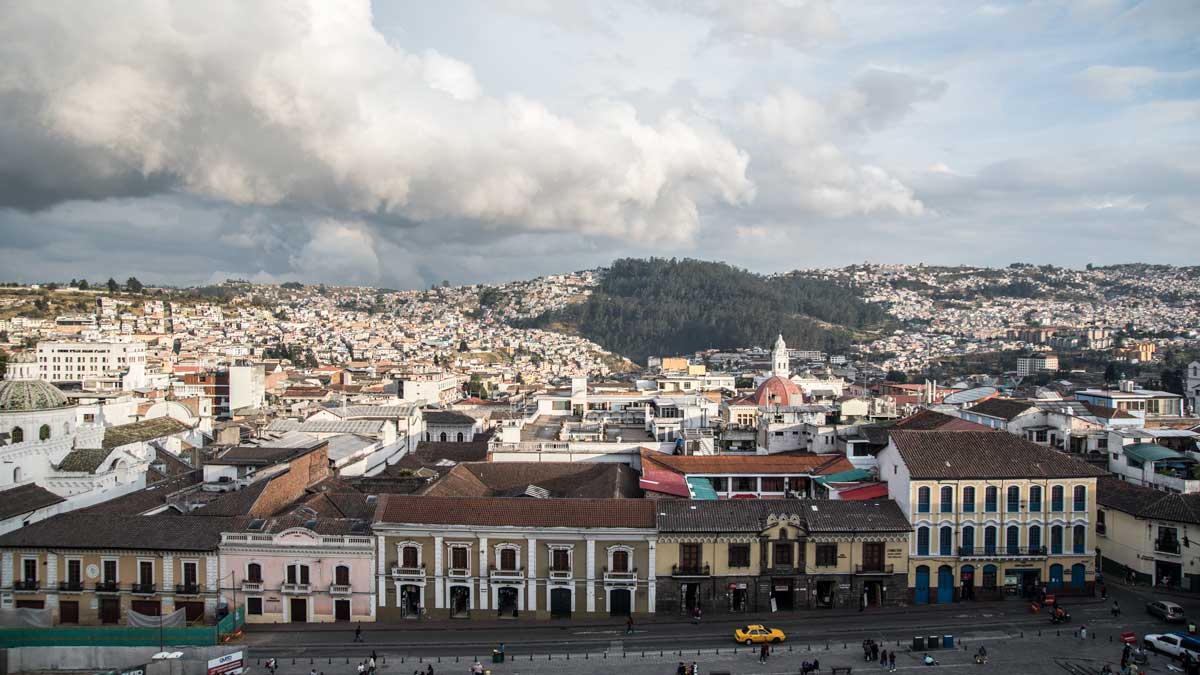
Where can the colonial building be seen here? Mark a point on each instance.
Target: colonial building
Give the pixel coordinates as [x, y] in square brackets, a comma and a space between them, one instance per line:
[94, 569]
[992, 513]
[1147, 533]
[739, 556]
[739, 476]
[468, 557]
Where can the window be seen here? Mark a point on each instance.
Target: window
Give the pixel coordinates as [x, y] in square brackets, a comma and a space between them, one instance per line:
[922, 541]
[18, 435]
[458, 558]
[989, 540]
[968, 540]
[1056, 539]
[460, 437]
[1012, 540]
[620, 559]
[745, 484]
[1101, 526]
[739, 555]
[254, 573]
[827, 555]
[1167, 540]
[989, 577]
[720, 484]
[145, 572]
[560, 560]
[442, 437]
[991, 496]
[74, 573]
[1056, 498]
[17, 475]
[689, 557]
[783, 554]
[1035, 538]
[341, 575]
[923, 500]
[1079, 540]
[1014, 499]
[297, 574]
[254, 606]
[772, 484]
[1080, 498]
[410, 557]
[946, 501]
[29, 568]
[968, 505]
[508, 559]
[1035, 498]
[44, 432]
[946, 540]
[109, 571]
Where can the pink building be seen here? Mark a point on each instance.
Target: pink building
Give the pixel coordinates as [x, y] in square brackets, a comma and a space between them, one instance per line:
[292, 570]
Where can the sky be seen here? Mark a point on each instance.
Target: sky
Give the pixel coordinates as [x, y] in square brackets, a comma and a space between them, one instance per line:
[398, 144]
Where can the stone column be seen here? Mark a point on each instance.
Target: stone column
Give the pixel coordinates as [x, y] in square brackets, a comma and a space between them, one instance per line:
[531, 575]
[168, 582]
[438, 595]
[650, 577]
[483, 573]
[591, 575]
[380, 566]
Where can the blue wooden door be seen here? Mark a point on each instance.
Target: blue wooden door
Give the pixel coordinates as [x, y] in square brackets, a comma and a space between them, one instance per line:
[945, 593]
[1078, 576]
[922, 590]
[1056, 577]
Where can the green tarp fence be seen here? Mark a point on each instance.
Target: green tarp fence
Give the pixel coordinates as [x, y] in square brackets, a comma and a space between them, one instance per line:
[115, 636]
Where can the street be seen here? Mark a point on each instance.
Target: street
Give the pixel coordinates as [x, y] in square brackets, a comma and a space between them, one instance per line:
[1017, 640]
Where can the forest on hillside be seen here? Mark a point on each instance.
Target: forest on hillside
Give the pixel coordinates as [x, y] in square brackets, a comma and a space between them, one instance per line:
[649, 307]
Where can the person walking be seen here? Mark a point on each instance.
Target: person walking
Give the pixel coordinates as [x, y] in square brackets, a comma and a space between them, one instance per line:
[883, 659]
[681, 670]
[1103, 591]
[764, 651]
[695, 669]
[892, 662]
[1082, 632]
[629, 625]
[1116, 609]
[358, 633]
[362, 668]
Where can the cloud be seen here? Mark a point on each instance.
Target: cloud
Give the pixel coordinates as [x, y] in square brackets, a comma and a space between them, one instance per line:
[306, 105]
[1122, 83]
[798, 24]
[338, 250]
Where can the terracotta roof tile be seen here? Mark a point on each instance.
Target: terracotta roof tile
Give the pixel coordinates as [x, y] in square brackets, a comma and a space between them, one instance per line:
[983, 454]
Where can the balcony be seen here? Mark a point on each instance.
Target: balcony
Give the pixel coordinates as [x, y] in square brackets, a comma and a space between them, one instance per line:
[70, 586]
[402, 572]
[874, 569]
[187, 589]
[561, 575]
[144, 589]
[691, 570]
[620, 578]
[507, 575]
[108, 587]
[1002, 552]
[341, 589]
[25, 586]
[255, 586]
[1169, 546]
[296, 589]
[460, 572]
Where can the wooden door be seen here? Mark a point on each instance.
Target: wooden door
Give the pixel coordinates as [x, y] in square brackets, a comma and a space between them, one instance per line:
[68, 612]
[341, 610]
[110, 610]
[299, 609]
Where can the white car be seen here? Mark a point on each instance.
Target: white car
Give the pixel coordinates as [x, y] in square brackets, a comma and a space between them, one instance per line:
[1171, 644]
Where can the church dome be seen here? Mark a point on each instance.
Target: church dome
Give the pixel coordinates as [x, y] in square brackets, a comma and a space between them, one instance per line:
[777, 390]
[23, 392]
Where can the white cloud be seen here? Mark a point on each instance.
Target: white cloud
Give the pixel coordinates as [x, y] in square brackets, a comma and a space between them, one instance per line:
[799, 24]
[1121, 83]
[338, 250]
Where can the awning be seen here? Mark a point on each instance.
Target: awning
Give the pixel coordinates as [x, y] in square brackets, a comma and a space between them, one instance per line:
[1150, 452]
[850, 476]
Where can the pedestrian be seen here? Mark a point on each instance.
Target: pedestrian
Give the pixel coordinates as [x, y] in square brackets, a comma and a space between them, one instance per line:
[629, 625]
[763, 652]
[1116, 609]
[1103, 592]
[312, 672]
[681, 670]
[1082, 632]
[874, 651]
[371, 664]
[696, 614]
[429, 670]
[883, 659]
[362, 667]
[892, 662]
[695, 669]
[358, 633]
[862, 604]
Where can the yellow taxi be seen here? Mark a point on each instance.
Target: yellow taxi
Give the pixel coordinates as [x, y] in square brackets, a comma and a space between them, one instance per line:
[757, 633]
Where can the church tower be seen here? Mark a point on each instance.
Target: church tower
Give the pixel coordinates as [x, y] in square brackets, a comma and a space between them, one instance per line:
[779, 358]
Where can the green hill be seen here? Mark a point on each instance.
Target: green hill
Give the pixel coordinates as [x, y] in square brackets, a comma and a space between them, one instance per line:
[655, 306]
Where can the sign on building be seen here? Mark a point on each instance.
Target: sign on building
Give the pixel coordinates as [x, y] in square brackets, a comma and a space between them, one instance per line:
[230, 664]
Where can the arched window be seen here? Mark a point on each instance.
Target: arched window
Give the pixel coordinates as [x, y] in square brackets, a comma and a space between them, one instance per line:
[947, 499]
[1035, 538]
[442, 437]
[460, 437]
[1056, 498]
[17, 475]
[1035, 498]
[946, 541]
[1080, 498]
[254, 573]
[341, 575]
[989, 540]
[1014, 499]
[620, 561]
[968, 539]
[44, 433]
[922, 541]
[66, 428]
[991, 499]
[968, 505]
[1056, 542]
[1012, 540]
[1079, 540]
[923, 500]
[18, 435]
[989, 577]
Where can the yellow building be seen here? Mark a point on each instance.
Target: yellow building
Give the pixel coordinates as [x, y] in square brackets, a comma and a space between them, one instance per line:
[1145, 534]
[486, 557]
[757, 555]
[94, 569]
[991, 513]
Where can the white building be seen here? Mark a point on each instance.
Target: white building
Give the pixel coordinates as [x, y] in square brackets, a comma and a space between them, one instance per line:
[1036, 363]
[247, 387]
[1192, 380]
[438, 388]
[120, 365]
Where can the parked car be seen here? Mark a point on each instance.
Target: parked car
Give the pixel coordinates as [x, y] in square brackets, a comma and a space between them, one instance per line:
[1173, 644]
[756, 633]
[1165, 610]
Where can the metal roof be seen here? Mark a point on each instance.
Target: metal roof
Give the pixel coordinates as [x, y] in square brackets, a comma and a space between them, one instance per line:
[1149, 452]
[701, 488]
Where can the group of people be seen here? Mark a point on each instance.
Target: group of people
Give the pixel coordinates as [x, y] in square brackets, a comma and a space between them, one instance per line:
[873, 654]
[808, 667]
[367, 667]
[685, 669]
[427, 671]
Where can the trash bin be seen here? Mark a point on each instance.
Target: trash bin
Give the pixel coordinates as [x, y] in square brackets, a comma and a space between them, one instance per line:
[918, 644]
[947, 642]
[497, 656]
[933, 642]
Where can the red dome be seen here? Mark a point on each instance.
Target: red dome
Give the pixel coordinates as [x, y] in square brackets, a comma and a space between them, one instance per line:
[776, 390]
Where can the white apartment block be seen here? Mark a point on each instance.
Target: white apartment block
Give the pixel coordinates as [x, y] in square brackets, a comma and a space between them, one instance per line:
[123, 362]
[1038, 363]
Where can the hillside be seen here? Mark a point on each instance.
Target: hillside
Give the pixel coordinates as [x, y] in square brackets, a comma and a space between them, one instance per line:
[650, 307]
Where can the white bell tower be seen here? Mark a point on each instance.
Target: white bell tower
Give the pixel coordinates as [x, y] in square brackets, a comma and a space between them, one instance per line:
[779, 358]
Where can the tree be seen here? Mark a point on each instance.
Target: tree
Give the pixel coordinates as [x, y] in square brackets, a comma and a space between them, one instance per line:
[3, 362]
[1172, 381]
[113, 286]
[1112, 373]
[83, 284]
[445, 283]
[897, 376]
[435, 360]
[462, 346]
[292, 285]
[310, 359]
[133, 285]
